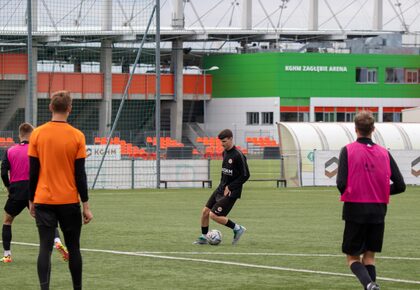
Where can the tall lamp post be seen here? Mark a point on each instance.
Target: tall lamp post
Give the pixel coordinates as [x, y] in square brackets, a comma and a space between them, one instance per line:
[204, 70]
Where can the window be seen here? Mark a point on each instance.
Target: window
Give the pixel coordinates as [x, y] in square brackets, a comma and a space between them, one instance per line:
[294, 117]
[366, 75]
[289, 117]
[252, 118]
[411, 76]
[392, 117]
[325, 117]
[349, 117]
[341, 117]
[267, 118]
[394, 75]
[388, 117]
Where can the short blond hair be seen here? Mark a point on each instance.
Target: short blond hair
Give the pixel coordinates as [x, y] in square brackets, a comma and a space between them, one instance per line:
[25, 129]
[364, 122]
[60, 101]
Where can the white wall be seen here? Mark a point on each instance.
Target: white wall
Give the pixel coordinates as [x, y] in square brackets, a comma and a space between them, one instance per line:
[125, 174]
[231, 113]
[411, 115]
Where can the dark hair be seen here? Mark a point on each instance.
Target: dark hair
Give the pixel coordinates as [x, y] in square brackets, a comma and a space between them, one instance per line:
[226, 133]
[25, 129]
[364, 122]
[60, 101]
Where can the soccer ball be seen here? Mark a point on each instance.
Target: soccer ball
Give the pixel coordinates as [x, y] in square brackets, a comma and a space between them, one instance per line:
[214, 237]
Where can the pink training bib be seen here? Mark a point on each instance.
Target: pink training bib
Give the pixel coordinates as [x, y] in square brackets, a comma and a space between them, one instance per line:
[369, 174]
[19, 162]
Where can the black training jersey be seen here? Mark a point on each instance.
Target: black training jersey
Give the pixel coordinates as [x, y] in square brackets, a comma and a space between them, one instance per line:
[235, 172]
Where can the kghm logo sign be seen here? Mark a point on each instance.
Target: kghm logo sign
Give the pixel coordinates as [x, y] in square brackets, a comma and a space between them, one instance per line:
[315, 68]
[95, 152]
[415, 167]
[331, 167]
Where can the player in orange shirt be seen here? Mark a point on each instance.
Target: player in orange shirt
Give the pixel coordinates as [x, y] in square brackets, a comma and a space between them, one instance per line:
[57, 153]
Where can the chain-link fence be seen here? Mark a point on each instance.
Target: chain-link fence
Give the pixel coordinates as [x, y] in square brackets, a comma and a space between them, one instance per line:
[88, 48]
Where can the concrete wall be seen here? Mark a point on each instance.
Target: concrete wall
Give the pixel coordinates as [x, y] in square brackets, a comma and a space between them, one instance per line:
[231, 113]
[411, 115]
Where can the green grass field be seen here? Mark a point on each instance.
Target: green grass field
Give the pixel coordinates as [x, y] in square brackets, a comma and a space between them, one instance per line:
[142, 239]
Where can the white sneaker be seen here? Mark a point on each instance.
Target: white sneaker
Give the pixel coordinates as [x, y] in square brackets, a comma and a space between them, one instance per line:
[237, 234]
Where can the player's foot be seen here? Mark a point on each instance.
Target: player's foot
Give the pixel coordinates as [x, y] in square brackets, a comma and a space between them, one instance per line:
[372, 286]
[62, 250]
[6, 259]
[201, 241]
[237, 234]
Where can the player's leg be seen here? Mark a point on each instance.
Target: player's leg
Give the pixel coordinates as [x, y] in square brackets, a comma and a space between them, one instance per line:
[202, 240]
[369, 262]
[46, 239]
[46, 221]
[374, 241]
[219, 213]
[70, 219]
[60, 247]
[205, 219]
[353, 246]
[12, 209]
[7, 238]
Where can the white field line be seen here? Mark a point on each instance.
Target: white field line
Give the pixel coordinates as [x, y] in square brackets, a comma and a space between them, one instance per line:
[160, 256]
[274, 254]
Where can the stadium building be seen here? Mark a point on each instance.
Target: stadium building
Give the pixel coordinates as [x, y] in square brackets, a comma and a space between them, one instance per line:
[244, 77]
[254, 91]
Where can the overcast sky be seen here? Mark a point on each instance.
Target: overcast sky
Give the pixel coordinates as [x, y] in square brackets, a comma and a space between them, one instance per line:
[350, 14]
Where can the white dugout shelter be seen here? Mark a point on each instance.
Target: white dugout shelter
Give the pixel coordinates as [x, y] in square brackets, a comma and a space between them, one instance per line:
[310, 151]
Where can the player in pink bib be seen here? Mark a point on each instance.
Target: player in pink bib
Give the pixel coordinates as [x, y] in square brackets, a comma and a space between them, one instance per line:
[365, 172]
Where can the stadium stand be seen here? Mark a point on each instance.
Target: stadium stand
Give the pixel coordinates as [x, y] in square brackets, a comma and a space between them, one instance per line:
[261, 141]
[260, 145]
[172, 149]
[213, 148]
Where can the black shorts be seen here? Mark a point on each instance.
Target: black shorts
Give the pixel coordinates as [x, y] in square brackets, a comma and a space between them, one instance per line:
[69, 216]
[14, 207]
[219, 204]
[359, 238]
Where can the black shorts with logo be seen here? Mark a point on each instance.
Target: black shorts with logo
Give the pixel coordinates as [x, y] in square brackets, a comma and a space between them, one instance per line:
[219, 204]
[359, 238]
[67, 215]
[14, 207]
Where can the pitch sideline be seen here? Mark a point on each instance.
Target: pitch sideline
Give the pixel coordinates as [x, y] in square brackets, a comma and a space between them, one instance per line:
[159, 255]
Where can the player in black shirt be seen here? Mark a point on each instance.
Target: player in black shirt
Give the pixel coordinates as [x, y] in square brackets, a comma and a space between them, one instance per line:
[235, 173]
[365, 192]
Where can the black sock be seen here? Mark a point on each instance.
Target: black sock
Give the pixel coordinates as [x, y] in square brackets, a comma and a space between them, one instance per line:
[372, 272]
[204, 230]
[7, 237]
[230, 224]
[361, 273]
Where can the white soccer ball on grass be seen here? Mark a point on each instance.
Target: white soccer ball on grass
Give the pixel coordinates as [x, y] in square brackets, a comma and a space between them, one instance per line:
[214, 237]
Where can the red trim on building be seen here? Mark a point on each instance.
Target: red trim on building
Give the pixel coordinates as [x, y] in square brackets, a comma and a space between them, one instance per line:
[394, 109]
[292, 109]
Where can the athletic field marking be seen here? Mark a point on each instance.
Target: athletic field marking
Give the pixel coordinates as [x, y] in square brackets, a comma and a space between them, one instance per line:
[273, 254]
[150, 255]
[254, 254]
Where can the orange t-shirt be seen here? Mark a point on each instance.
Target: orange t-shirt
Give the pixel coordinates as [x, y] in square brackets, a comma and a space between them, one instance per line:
[57, 145]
